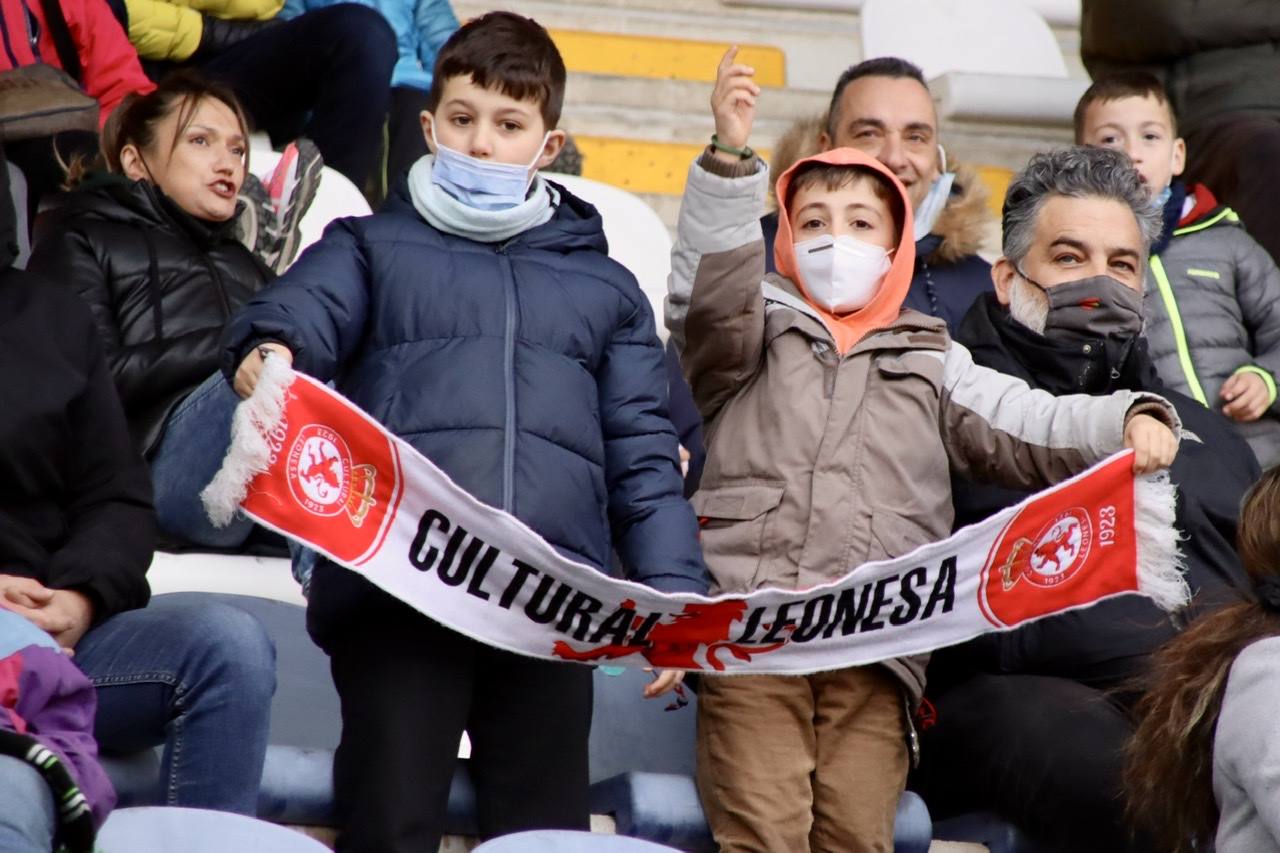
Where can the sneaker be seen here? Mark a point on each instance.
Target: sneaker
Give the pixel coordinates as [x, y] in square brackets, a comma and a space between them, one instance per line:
[256, 214]
[292, 188]
[272, 212]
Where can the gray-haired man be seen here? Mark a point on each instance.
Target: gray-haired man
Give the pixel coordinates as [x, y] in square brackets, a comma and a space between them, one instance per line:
[1031, 723]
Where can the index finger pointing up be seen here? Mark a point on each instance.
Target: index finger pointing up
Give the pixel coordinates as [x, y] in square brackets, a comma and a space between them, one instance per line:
[727, 59]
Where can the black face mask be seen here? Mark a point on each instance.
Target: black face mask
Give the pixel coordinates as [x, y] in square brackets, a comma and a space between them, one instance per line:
[1099, 307]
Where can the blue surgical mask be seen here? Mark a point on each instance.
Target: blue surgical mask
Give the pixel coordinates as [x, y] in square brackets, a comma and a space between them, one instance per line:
[1162, 199]
[481, 184]
[928, 211]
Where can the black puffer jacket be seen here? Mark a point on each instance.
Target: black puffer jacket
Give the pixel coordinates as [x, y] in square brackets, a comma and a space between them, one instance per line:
[1110, 642]
[160, 285]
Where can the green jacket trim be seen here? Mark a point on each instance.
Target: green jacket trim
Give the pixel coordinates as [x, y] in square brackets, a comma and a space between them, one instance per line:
[1175, 320]
[1226, 213]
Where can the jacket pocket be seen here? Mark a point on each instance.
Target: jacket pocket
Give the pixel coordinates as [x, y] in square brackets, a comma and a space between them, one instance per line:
[733, 521]
[922, 367]
[893, 535]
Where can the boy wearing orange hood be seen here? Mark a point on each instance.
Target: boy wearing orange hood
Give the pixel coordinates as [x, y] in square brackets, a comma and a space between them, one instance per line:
[833, 421]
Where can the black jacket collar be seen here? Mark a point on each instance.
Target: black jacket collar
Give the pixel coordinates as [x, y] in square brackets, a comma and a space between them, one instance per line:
[1086, 367]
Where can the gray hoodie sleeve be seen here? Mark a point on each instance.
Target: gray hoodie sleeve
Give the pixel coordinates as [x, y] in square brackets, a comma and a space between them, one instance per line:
[999, 429]
[1246, 752]
[714, 307]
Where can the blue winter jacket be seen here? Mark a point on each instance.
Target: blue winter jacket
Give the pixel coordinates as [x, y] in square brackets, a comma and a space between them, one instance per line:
[529, 371]
[421, 28]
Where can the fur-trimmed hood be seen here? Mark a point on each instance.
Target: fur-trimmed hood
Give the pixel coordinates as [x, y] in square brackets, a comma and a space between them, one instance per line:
[962, 223]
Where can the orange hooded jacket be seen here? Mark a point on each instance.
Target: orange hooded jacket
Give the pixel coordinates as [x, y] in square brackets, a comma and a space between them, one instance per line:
[884, 307]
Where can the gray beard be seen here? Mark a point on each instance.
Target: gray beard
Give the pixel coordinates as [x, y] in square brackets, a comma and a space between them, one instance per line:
[1028, 305]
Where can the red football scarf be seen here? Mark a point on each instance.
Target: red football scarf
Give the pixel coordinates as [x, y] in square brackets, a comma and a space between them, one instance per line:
[309, 464]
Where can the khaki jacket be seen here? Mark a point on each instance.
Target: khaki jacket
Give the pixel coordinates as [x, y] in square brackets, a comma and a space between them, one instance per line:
[818, 463]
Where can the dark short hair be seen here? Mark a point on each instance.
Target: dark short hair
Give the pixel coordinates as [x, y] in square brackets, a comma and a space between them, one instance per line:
[892, 67]
[1122, 84]
[834, 176]
[507, 52]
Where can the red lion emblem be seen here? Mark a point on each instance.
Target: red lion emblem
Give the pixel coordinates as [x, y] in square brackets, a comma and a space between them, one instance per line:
[1050, 550]
[328, 470]
[675, 644]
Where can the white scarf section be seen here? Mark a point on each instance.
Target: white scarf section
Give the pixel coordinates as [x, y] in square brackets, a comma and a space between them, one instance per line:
[308, 463]
[933, 203]
[451, 216]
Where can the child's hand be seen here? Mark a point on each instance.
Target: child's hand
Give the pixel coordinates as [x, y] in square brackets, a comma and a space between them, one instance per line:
[251, 368]
[1154, 445]
[664, 681]
[733, 103]
[1246, 396]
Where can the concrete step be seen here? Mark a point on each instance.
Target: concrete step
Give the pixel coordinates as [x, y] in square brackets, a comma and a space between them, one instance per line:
[640, 78]
[632, 101]
[817, 46]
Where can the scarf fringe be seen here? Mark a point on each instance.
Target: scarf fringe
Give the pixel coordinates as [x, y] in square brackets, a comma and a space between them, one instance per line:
[1161, 565]
[250, 452]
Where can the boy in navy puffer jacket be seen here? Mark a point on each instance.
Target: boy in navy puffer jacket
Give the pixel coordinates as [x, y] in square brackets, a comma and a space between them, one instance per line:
[478, 317]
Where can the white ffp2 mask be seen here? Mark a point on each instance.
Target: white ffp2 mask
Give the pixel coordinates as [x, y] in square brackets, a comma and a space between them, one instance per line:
[841, 274]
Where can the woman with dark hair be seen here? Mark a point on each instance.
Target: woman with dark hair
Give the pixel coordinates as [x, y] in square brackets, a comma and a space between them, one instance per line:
[1203, 767]
[148, 240]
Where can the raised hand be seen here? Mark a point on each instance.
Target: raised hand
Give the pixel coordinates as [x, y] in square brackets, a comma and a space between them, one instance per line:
[733, 102]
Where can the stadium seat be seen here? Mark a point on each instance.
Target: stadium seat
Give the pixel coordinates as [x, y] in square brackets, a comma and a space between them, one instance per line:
[637, 238]
[998, 835]
[1023, 80]
[305, 722]
[566, 841]
[642, 759]
[167, 829]
[262, 577]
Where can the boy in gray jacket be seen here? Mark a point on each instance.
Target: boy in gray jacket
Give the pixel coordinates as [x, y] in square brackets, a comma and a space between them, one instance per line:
[1212, 298]
[833, 419]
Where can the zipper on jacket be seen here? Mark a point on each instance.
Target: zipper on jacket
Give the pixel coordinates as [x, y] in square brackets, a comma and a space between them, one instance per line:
[508, 382]
[822, 352]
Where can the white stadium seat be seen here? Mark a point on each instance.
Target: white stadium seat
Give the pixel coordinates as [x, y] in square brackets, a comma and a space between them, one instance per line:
[986, 60]
[264, 577]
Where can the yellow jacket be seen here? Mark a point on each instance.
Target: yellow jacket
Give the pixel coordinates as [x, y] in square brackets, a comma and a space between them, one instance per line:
[171, 29]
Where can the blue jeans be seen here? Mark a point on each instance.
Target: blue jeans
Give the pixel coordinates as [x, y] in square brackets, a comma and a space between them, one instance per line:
[196, 676]
[196, 437]
[27, 818]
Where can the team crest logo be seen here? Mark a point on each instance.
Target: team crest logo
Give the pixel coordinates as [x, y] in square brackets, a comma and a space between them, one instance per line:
[1054, 555]
[323, 478]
